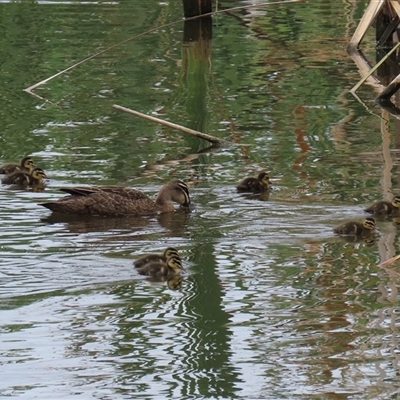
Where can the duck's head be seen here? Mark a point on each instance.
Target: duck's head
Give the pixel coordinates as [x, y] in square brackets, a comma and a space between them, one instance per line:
[369, 223]
[170, 252]
[27, 163]
[39, 174]
[263, 177]
[396, 201]
[175, 264]
[176, 191]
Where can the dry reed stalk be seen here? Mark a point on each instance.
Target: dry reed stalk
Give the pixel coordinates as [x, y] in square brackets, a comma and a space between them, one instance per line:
[192, 132]
[390, 261]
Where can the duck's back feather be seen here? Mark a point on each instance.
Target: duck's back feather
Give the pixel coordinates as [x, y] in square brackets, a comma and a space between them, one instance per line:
[154, 269]
[16, 178]
[103, 203]
[132, 194]
[381, 207]
[349, 228]
[251, 185]
[140, 262]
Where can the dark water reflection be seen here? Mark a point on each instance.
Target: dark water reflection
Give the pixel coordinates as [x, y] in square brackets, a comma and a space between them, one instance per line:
[272, 304]
[175, 224]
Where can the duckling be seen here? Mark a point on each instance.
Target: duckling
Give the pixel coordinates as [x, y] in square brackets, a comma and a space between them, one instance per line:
[367, 227]
[26, 165]
[20, 178]
[158, 269]
[385, 207]
[167, 253]
[255, 185]
[119, 200]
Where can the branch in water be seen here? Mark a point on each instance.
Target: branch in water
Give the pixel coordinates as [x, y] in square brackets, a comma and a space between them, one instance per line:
[192, 132]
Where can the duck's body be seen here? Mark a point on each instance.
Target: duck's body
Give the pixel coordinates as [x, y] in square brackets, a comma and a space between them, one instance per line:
[21, 178]
[167, 253]
[26, 165]
[119, 200]
[255, 185]
[368, 227]
[159, 269]
[385, 207]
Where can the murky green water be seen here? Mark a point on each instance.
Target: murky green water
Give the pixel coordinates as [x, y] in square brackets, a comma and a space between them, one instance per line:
[272, 305]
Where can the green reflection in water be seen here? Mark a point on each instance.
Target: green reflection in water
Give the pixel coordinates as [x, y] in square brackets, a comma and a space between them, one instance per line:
[309, 310]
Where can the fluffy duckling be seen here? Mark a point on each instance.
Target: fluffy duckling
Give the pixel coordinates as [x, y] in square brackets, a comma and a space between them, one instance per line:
[255, 185]
[385, 207]
[26, 165]
[158, 269]
[368, 227]
[20, 178]
[167, 253]
[120, 201]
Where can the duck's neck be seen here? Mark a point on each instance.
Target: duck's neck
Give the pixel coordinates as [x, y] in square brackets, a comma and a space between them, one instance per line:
[164, 202]
[174, 271]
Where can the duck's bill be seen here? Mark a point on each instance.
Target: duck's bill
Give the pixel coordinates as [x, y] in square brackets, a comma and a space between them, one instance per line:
[191, 206]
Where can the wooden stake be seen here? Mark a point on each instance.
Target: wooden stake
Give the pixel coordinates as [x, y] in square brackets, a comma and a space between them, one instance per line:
[192, 132]
[366, 21]
[373, 69]
[390, 89]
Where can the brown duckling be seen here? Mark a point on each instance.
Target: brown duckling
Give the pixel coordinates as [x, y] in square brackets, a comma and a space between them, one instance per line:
[368, 227]
[158, 269]
[167, 253]
[255, 185]
[26, 165]
[119, 200]
[385, 207]
[20, 178]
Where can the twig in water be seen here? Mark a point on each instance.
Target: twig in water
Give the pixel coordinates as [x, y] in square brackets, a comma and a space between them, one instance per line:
[198, 134]
[390, 261]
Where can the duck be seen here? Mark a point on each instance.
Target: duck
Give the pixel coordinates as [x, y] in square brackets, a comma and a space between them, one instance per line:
[26, 165]
[159, 269]
[119, 201]
[385, 207]
[24, 178]
[167, 253]
[367, 227]
[255, 185]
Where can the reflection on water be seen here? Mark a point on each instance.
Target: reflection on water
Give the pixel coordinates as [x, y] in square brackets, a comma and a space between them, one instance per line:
[263, 196]
[259, 299]
[35, 188]
[271, 304]
[175, 223]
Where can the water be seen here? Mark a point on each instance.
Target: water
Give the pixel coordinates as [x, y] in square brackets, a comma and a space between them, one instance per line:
[272, 305]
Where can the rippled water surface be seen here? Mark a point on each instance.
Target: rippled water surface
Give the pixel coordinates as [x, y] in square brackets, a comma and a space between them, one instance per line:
[272, 305]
